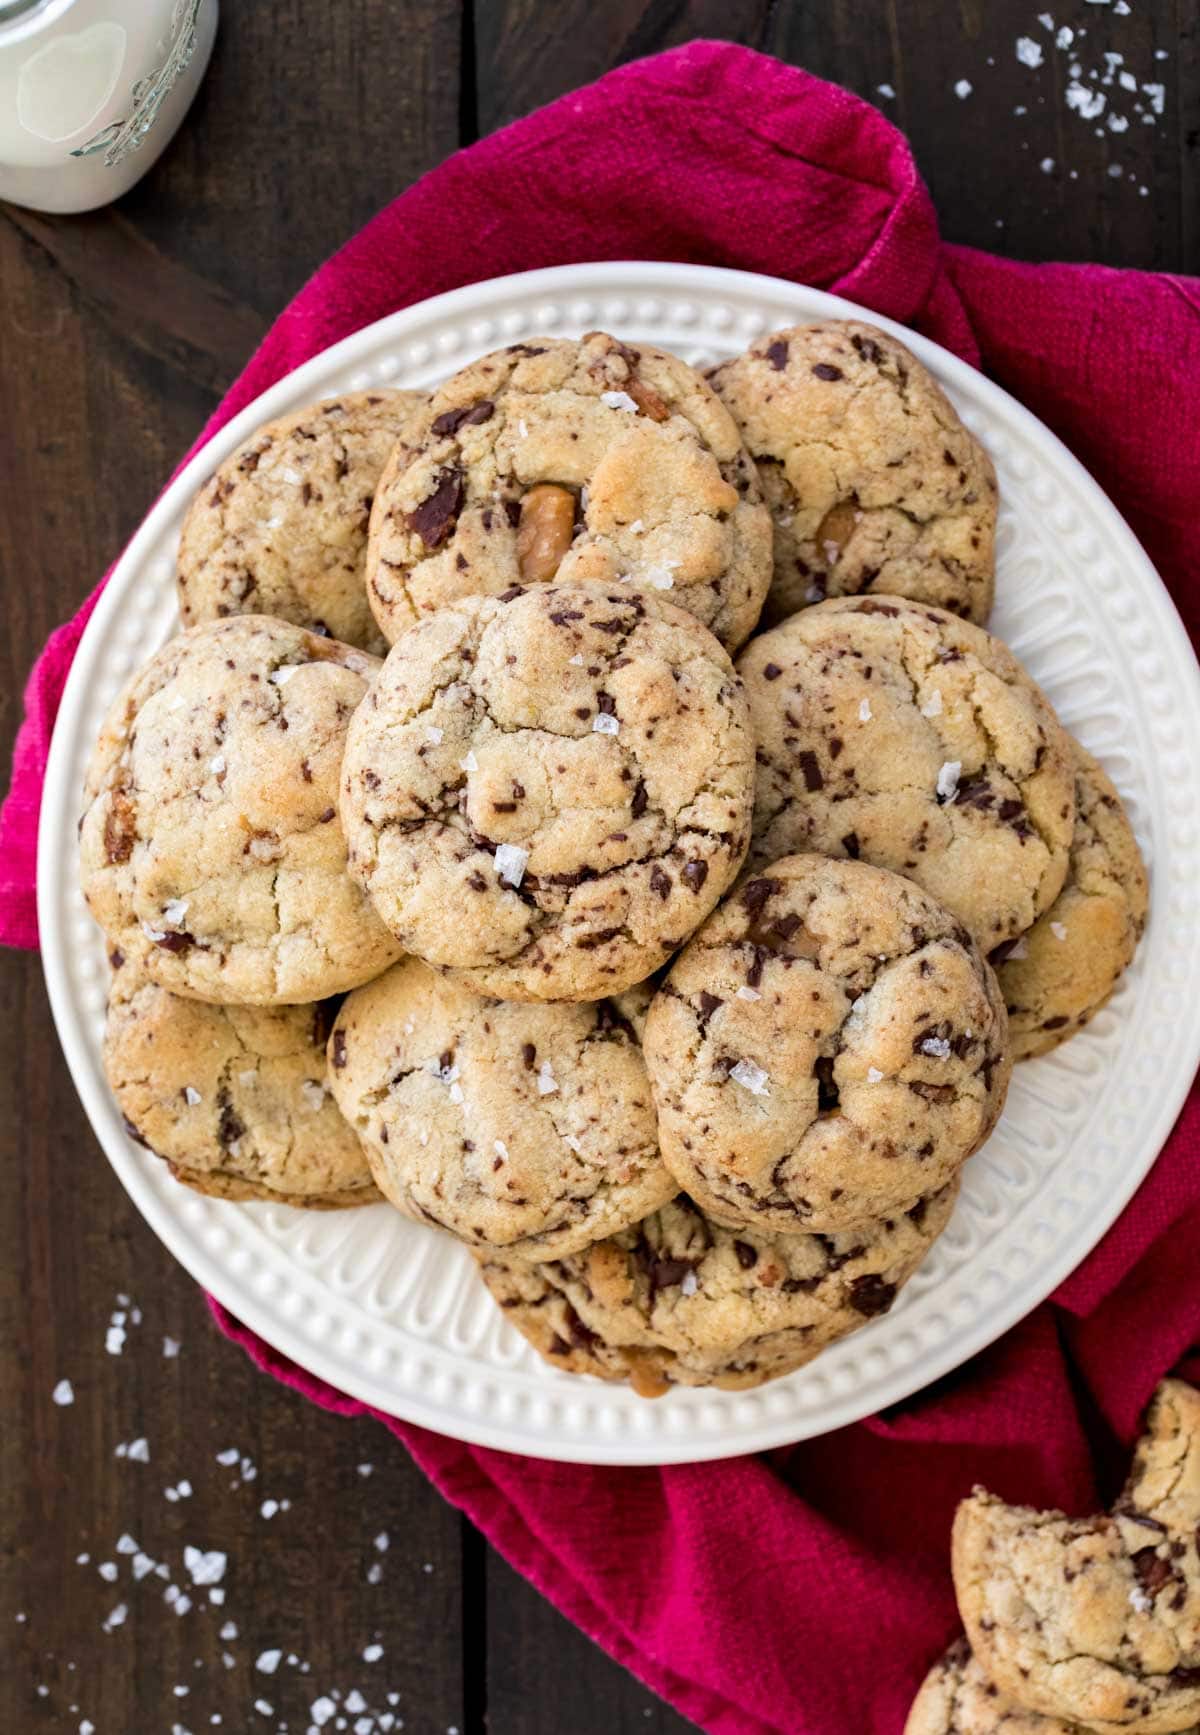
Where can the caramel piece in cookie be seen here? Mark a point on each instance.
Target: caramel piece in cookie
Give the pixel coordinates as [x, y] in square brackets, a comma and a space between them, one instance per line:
[524, 1128]
[829, 1047]
[874, 483]
[678, 1300]
[1056, 977]
[210, 849]
[900, 735]
[1096, 1619]
[572, 459]
[281, 528]
[233, 1098]
[956, 1698]
[549, 790]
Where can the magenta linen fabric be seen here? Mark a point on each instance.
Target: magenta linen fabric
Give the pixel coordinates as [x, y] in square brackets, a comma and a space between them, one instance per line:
[803, 1593]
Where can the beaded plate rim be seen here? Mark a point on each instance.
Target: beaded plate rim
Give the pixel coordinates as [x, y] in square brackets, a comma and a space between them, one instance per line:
[390, 1312]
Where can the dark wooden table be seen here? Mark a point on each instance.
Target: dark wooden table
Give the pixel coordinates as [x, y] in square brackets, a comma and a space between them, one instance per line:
[118, 332]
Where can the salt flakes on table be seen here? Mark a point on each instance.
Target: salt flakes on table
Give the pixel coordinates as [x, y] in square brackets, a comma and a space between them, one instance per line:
[63, 1393]
[1029, 52]
[963, 88]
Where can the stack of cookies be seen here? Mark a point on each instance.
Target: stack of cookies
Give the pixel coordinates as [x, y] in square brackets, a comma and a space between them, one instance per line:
[1075, 1625]
[679, 991]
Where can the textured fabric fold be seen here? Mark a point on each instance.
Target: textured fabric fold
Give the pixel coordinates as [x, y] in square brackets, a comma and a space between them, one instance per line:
[805, 1591]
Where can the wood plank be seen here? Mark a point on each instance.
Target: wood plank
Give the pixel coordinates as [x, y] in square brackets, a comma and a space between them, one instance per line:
[546, 1678]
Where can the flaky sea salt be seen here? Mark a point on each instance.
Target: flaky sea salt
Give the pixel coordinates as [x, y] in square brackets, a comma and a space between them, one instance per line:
[1065, 36]
[313, 1093]
[573, 1142]
[885, 91]
[501, 1149]
[873, 1075]
[947, 780]
[108, 1571]
[267, 1662]
[206, 1567]
[63, 1393]
[690, 1283]
[290, 475]
[619, 401]
[372, 1653]
[937, 1046]
[126, 1544]
[546, 1082]
[751, 1078]
[1058, 929]
[864, 711]
[470, 763]
[660, 576]
[321, 1710]
[1047, 165]
[228, 1456]
[383, 1542]
[1088, 104]
[175, 911]
[433, 733]
[1029, 52]
[138, 1451]
[510, 863]
[281, 677]
[115, 1618]
[604, 723]
[1020, 950]
[745, 993]
[933, 704]
[191, 1095]
[963, 88]
[576, 661]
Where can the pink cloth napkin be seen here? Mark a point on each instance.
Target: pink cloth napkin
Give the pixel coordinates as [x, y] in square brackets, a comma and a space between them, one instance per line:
[802, 1593]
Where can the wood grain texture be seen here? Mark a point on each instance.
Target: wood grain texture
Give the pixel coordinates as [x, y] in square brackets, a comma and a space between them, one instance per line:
[118, 332]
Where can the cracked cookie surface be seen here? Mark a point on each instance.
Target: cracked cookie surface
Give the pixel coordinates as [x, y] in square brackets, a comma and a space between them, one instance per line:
[874, 483]
[528, 1128]
[900, 735]
[281, 528]
[678, 1300]
[549, 790]
[210, 849]
[1059, 974]
[829, 1048]
[956, 1698]
[576, 459]
[234, 1099]
[1096, 1619]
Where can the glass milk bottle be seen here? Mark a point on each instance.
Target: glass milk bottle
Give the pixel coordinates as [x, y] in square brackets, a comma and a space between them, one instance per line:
[92, 91]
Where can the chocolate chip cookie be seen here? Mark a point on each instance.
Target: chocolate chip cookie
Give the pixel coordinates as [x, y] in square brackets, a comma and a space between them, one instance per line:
[830, 1047]
[874, 483]
[1096, 1619]
[678, 1300]
[1056, 977]
[956, 1698]
[900, 735]
[572, 459]
[281, 528]
[524, 1128]
[233, 1098]
[211, 852]
[549, 790]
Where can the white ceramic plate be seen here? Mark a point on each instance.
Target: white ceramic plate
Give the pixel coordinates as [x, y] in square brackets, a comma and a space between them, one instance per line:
[392, 1312]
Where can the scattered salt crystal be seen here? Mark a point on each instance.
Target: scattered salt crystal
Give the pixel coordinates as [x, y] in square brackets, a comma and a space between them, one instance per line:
[1046, 21]
[501, 1149]
[374, 1572]
[87, 1727]
[576, 661]
[265, 1710]
[108, 1571]
[603, 723]
[138, 1451]
[619, 401]
[313, 1093]
[80, 1560]
[354, 1700]
[191, 1095]
[372, 1653]
[963, 88]
[873, 1075]
[363, 1725]
[933, 704]
[1157, 94]
[1058, 929]
[290, 475]
[228, 1631]
[885, 91]
[365, 1469]
[1118, 123]
[1127, 81]
[1047, 165]
[321, 1710]
[546, 1082]
[1088, 104]
[182, 1604]
[433, 733]
[175, 911]
[583, 498]
[574, 1143]
[274, 521]
[126, 1544]
[745, 993]
[142, 1564]
[690, 1284]
[205, 1567]
[1140, 1601]
[947, 780]
[1115, 171]
[937, 1046]
[115, 1618]
[381, 1542]
[1029, 52]
[216, 1595]
[510, 863]
[63, 1393]
[267, 1662]
[470, 763]
[153, 933]
[456, 1093]
[269, 1508]
[228, 1456]
[864, 711]
[281, 677]
[523, 428]
[751, 1078]
[1065, 37]
[637, 527]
